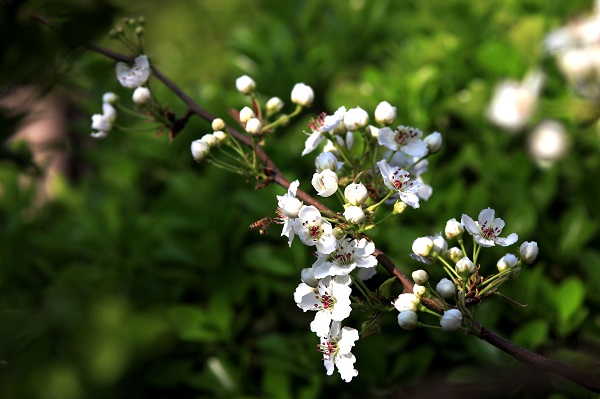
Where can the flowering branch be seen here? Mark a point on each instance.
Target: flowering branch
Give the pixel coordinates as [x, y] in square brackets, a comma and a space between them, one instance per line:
[485, 232]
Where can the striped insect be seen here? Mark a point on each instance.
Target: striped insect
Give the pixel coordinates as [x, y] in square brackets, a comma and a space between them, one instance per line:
[261, 225]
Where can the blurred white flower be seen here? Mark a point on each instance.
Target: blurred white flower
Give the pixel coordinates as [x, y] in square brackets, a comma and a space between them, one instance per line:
[245, 84]
[547, 143]
[302, 95]
[135, 76]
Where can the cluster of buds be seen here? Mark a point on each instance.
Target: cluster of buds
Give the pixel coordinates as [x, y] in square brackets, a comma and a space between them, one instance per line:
[464, 285]
[104, 122]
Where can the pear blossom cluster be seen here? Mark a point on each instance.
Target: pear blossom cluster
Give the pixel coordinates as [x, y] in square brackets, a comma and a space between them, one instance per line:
[103, 123]
[464, 284]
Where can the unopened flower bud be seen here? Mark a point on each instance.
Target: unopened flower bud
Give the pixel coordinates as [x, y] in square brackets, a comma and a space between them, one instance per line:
[419, 290]
[308, 277]
[446, 288]
[139, 30]
[422, 246]
[199, 149]
[274, 105]
[406, 301]
[220, 136]
[141, 95]
[302, 95]
[439, 244]
[407, 320]
[246, 114]
[354, 214]
[110, 98]
[455, 254]
[420, 276]
[355, 118]
[245, 84]
[254, 126]
[326, 160]
[325, 182]
[451, 320]
[453, 229]
[218, 124]
[529, 251]
[506, 262]
[385, 113]
[209, 139]
[465, 266]
[434, 142]
[399, 207]
[356, 193]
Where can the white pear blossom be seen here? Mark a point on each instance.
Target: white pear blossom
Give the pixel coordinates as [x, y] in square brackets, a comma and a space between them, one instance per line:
[209, 139]
[220, 136]
[141, 95]
[110, 98]
[487, 229]
[288, 203]
[217, 124]
[104, 122]
[349, 254]
[446, 288]
[529, 251]
[319, 126]
[101, 123]
[399, 180]
[245, 84]
[439, 244]
[356, 118]
[419, 290]
[405, 138]
[246, 114]
[385, 113]
[406, 301]
[302, 95]
[136, 76]
[330, 299]
[312, 229]
[434, 142]
[325, 182]
[407, 320]
[336, 347]
[547, 143]
[354, 214]
[506, 262]
[451, 320]
[356, 193]
[308, 276]
[422, 246]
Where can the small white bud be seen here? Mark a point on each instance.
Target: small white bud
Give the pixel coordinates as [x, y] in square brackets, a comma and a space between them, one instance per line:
[141, 95]
[245, 84]
[406, 301]
[423, 246]
[110, 98]
[246, 114]
[407, 320]
[419, 290]
[465, 266]
[453, 229]
[506, 262]
[446, 288]
[326, 160]
[399, 207]
[199, 149]
[420, 276]
[455, 254]
[209, 139]
[356, 193]
[218, 124]
[385, 113]
[434, 142]
[529, 251]
[354, 214]
[253, 126]
[356, 118]
[439, 244]
[220, 136]
[451, 320]
[274, 105]
[302, 95]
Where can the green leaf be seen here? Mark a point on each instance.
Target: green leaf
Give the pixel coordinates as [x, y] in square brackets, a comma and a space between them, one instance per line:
[569, 298]
[532, 335]
[386, 287]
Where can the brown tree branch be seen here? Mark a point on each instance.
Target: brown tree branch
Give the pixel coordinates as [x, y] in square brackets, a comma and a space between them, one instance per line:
[277, 176]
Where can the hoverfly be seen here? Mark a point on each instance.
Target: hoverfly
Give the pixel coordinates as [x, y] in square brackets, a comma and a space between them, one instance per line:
[261, 225]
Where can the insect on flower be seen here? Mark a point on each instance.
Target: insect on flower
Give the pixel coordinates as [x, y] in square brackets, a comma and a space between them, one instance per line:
[261, 225]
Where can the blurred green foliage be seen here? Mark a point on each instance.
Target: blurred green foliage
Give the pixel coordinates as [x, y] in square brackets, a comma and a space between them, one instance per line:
[140, 279]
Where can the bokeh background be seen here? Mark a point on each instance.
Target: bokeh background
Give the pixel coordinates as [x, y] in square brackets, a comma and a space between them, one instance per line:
[127, 270]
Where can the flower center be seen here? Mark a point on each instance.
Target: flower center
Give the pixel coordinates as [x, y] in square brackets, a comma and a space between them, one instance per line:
[328, 349]
[315, 231]
[342, 257]
[316, 124]
[327, 301]
[401, 181]
[490, 232]
[406, 134]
